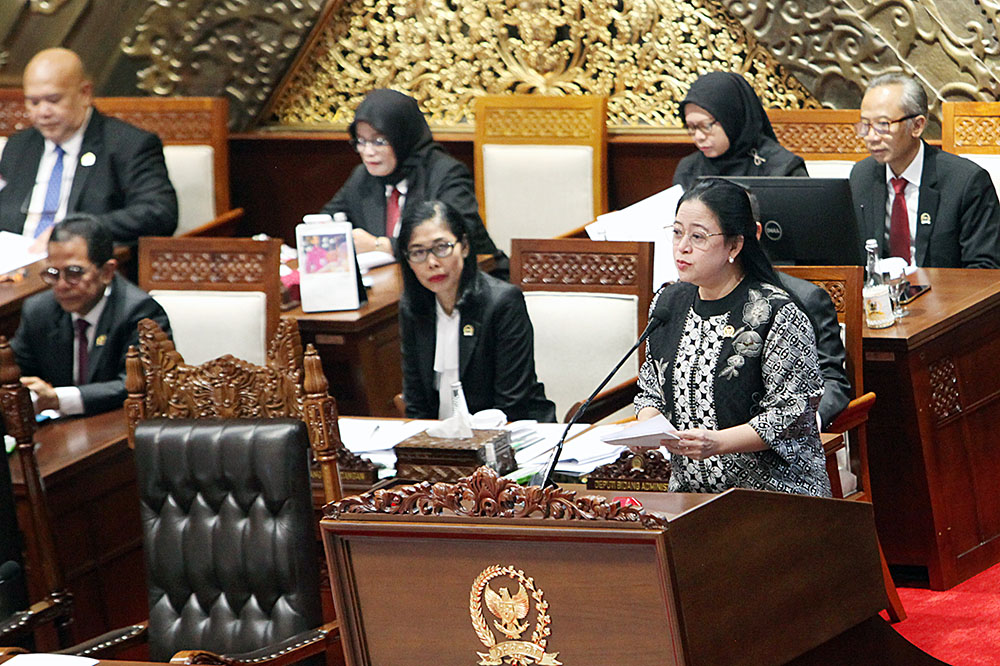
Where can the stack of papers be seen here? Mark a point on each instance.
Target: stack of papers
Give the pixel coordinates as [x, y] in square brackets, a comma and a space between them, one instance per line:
[646, 220]
[15, 252]
[647, 433]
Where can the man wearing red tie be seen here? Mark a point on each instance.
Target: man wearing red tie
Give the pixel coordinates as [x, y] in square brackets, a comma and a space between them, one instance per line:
[72, 339]
[929, 207]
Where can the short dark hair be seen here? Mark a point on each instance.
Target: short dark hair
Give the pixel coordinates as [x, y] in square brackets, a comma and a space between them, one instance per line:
[100, 247]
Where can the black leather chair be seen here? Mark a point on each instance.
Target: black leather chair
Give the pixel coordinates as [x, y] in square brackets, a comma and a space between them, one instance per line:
[230, 543]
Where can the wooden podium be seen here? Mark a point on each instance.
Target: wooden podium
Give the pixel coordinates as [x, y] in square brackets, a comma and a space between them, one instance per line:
[483, 571]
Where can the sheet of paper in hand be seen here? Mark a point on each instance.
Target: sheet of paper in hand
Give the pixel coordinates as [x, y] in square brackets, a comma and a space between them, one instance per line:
[643, 433]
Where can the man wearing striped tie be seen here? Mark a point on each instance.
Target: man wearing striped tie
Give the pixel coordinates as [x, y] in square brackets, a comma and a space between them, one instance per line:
[73, 158]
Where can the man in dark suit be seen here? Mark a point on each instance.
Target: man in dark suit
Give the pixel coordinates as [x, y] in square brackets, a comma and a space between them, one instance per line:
[74, 158]
[72, 339]
[929, 207]
[823, 316]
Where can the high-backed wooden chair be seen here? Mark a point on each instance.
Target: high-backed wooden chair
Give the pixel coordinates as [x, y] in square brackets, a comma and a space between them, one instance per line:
[222, 295]
[824, 138]
[588, 302]
[290, 384]
[843, 284]
[195, 146]
[540, 164]
[18, 620]
[972, 130]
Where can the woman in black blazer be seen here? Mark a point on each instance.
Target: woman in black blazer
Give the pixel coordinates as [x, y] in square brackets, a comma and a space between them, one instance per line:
[457, 323]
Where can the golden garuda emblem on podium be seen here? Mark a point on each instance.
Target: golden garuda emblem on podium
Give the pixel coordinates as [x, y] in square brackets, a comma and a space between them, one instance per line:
[509, 604]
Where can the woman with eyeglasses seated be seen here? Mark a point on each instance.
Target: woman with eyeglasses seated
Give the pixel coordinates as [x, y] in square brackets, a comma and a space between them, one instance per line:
[458, 324]
[734, 365]
[724, 117]
[401, 167]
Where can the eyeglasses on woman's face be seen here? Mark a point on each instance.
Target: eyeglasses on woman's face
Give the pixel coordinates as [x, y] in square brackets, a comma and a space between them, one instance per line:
[418, 255]
[378, 142]
[703, 128]
[698, 239]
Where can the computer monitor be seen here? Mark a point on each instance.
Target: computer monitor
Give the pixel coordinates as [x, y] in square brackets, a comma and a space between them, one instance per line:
[806, 221]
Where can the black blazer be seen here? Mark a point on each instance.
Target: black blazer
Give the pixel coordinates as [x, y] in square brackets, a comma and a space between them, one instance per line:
[43, 344]
[496, 355]
[822, 315]
[440, 177]
[958, 215]
[126, 187]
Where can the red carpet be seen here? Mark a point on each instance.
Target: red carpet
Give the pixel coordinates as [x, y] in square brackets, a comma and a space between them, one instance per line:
[960, 626]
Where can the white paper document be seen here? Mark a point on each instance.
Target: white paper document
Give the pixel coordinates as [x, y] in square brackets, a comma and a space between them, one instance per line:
[374, 259]
[645, 221]
[644, 433]
[15, 252]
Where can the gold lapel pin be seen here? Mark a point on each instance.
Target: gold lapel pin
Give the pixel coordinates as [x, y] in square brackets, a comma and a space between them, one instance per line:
[101, 340]
[87, 159]
[468, 331]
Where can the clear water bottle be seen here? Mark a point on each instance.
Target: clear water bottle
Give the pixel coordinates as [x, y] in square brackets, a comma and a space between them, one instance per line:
[878, 306]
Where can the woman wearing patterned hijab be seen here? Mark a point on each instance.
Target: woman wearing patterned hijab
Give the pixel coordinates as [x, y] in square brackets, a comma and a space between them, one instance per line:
[724, 117]
[402, 166]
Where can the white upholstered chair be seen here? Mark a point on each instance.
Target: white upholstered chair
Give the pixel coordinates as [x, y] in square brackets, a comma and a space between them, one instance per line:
[972, 130]
[824, 138]
[540, 164]
[222, 296]
[588, 302]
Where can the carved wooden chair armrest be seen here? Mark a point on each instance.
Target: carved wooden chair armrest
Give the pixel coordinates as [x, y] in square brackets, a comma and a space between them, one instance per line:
[296, 648]
[607, 402]
[11, 651]
[110, 643]
[24, 623]
[223, 225]
[854, 414]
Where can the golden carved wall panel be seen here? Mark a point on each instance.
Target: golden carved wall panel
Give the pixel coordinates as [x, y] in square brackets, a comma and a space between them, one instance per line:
[643, 54]
[834, 47]
[239, 50]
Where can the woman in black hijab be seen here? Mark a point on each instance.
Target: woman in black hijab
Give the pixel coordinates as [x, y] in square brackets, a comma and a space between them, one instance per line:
[724, 116]
[402, 166]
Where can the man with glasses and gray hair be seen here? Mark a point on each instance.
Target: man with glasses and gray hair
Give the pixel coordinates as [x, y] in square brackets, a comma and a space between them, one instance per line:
[72, 339]
[918, 202]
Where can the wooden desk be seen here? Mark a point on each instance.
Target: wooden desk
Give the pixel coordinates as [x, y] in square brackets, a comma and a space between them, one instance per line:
[12, 296]
[933, 432]
[89, 476]
[360, 348]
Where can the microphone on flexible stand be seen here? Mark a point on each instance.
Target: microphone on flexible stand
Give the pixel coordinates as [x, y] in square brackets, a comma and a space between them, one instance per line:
[543, 477]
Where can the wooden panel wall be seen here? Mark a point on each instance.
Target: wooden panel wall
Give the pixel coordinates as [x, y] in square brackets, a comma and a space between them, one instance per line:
[278, 178]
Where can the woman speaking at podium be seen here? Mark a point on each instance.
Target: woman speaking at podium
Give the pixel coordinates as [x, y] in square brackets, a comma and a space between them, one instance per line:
[734, 365]
[727, 123]
[457, 323]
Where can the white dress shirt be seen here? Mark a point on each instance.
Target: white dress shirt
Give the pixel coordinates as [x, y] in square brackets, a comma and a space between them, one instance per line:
[446, 356]
[36, 204]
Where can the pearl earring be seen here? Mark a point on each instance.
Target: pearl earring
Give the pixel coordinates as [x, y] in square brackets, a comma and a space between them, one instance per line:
[731, 259]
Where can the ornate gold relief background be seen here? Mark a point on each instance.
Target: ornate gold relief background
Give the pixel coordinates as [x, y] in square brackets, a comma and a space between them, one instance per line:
[643, 54]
